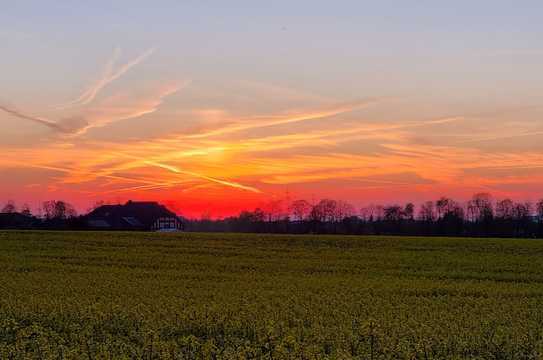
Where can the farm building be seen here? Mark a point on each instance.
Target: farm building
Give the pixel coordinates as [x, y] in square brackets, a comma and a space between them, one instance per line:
[143, 216]
[16, 221]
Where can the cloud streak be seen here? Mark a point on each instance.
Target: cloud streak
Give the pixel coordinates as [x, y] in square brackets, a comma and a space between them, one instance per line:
[111, 111]
[39, 120]
[268, 121]
[115, 108]
[176, 170]
[108, 76]
[121, 108]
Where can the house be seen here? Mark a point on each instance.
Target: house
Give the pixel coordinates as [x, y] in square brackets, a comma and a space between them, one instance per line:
[17, 221]
[143, 216]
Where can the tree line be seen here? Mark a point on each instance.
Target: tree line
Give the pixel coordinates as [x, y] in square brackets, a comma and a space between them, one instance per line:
[53, 209]
[481, 216]
[52, 214]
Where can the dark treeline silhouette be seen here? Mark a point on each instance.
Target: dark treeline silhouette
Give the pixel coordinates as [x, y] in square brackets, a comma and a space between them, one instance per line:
[481, 216]
[53, 215]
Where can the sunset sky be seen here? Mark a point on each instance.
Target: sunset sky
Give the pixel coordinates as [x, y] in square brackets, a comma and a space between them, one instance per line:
[218, 106]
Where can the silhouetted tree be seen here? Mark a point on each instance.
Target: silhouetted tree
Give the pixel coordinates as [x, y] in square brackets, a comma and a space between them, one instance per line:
[480, 208]
[504, 209]
[274, 210]
[451, 217]
[58, 210]
[324, 211]
[25, 210]
[372, 213]
[522, 216]
[9, 207]
[427, 212]
[300, 209]
[409, 211]
[393, 213]
[343, 210]
[539, 210]
[445, 217]
[258, 215]
[444, 206]
[539, 218]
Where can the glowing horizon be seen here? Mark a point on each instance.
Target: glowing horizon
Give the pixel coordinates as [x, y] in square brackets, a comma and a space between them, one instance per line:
[185, 106]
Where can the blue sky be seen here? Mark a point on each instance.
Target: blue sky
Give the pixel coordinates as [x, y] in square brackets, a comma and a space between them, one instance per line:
[291, 40]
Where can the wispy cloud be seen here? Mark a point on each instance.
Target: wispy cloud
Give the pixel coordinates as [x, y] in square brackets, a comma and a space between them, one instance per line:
[268, 121]
[109, 75]
[120, 108]
[176, 170]
[39, 120]
[114, 109]
[476, 139]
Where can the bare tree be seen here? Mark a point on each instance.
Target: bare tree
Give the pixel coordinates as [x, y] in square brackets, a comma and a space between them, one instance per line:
[367, 213]
[522, 211]
[480, 207]
[249, 217]
[455, 210]
[446, 207]
[58, 210]
[505, 209]
[443, 206]
[343, 210]
[274, 210]
[372, 213]
[9, 207]
[324, 210]
[300, 209]
[48, 208]
[427, 212]
[409, 211]
[539, 210]
[393, 213]
[25, 210]
[258, 215]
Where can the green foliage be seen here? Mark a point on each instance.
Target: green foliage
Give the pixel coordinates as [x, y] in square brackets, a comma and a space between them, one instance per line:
[240, 296]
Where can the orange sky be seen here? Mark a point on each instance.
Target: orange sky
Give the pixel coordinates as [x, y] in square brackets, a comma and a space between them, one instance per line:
[209, 118]
[234, 161]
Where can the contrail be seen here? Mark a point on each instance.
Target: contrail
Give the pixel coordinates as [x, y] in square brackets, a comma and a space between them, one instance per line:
[176, 170]
[39, 120]
[204, 177]
[79, 124]
[72, 171]
[108, 76]
[67, 126]
[267, 121]
[500, 137]
[93, 90]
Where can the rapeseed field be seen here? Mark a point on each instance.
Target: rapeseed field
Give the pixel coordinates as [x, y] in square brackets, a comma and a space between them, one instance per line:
[100, 295]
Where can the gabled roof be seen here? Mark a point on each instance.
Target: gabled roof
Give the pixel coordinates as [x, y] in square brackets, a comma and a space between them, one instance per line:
[16, 221]
[132, 215]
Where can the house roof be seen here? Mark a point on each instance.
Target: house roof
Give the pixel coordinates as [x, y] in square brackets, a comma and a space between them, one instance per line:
[16, 220]
[130, 215]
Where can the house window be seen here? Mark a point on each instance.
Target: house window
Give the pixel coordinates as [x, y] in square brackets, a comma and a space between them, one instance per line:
[166, 223]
